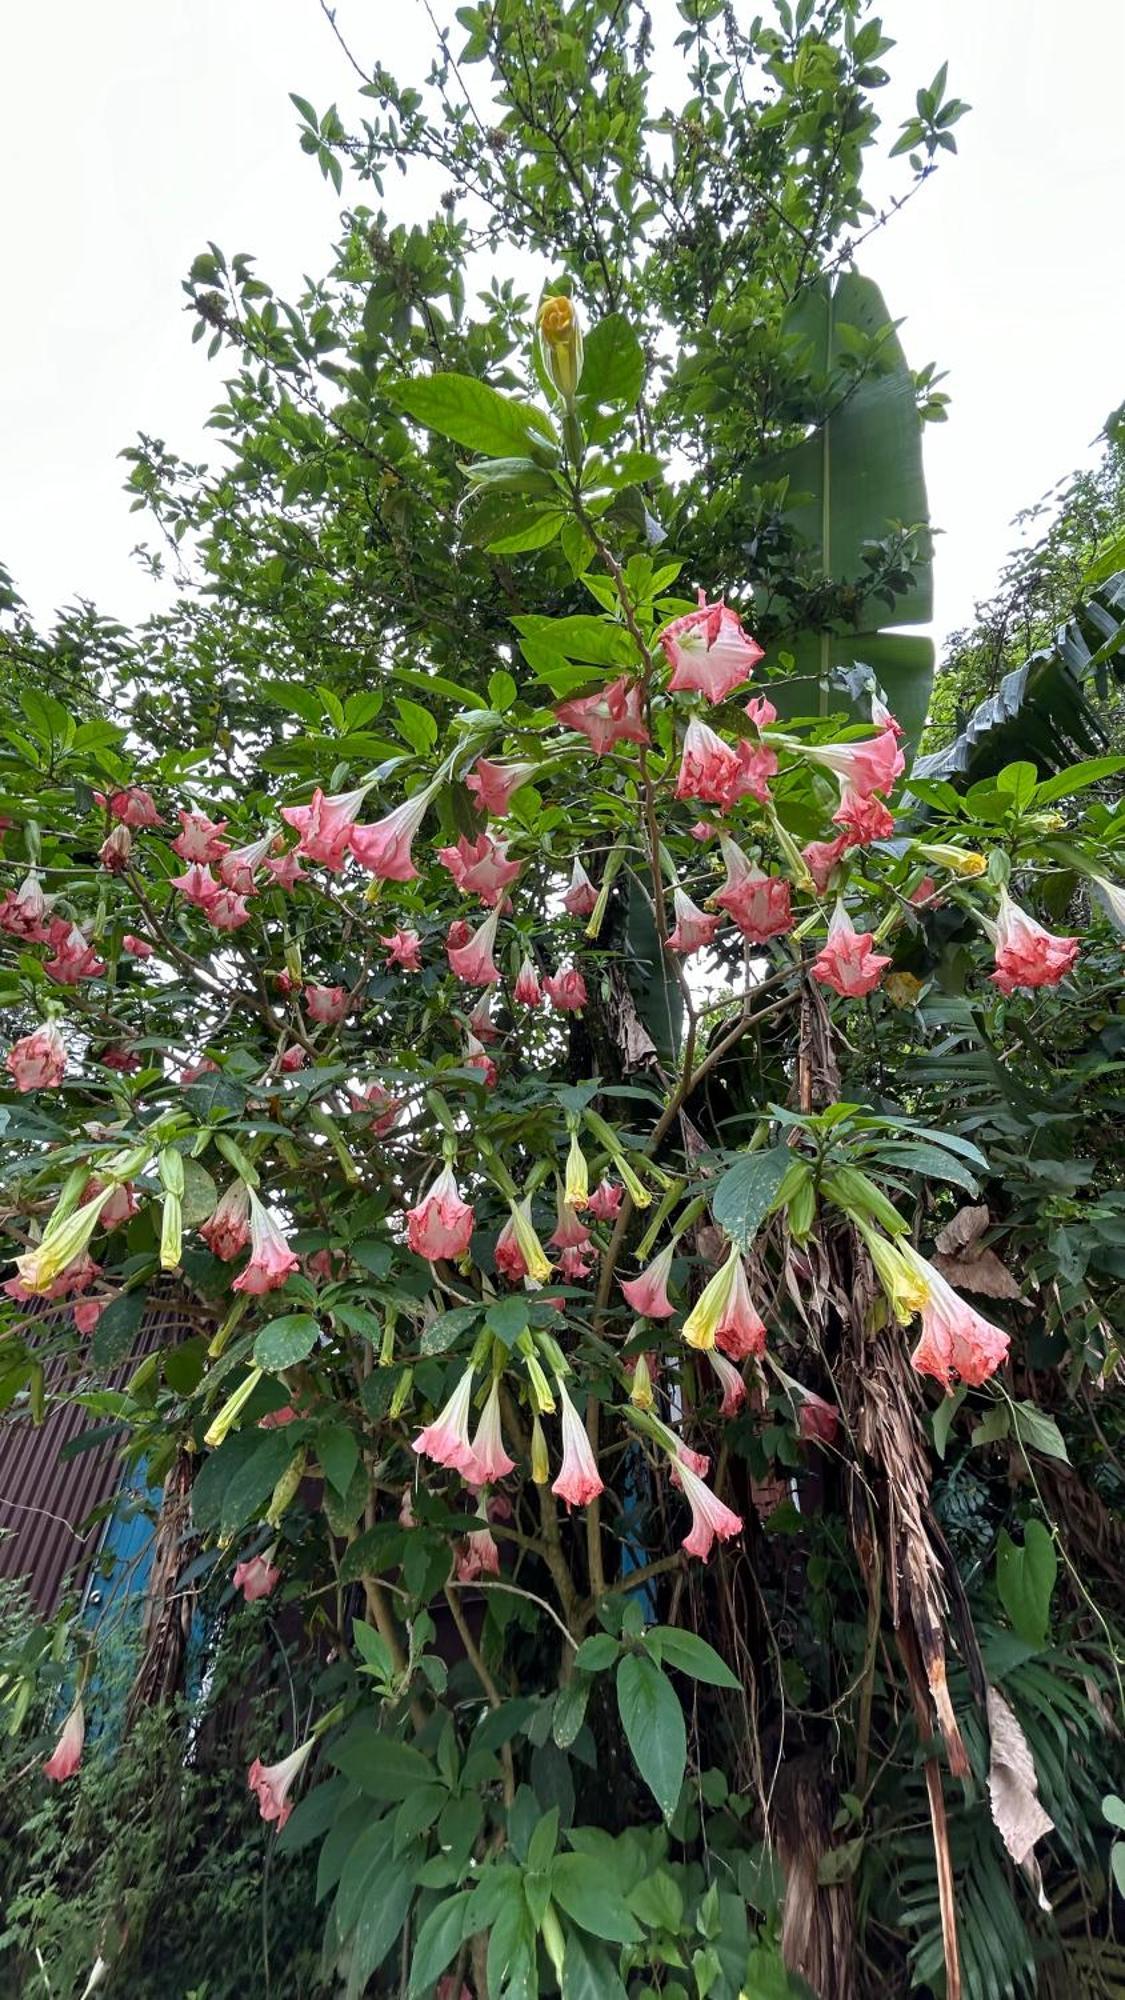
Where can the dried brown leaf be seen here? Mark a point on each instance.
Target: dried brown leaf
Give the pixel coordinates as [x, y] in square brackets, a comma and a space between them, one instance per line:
[981, 1272]
[1013, 1788]
[966, 1228]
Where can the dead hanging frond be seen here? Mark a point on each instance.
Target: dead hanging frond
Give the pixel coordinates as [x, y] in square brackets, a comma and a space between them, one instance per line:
[168, 1609]
[818, 1077]
[1013, 1788]
[959, 1257]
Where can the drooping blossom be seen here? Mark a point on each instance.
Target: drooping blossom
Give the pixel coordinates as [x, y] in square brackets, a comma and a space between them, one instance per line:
[477, 1556]
[66, 1756]
[480, 1021]
[494, 784]
[256, 1578]
[326, 1264]
[480, 867]
[817, 1421]
[606, 1200]
[724, 1313]
[384, 847]
[730, 1381]
[74, 959]
[576, 1184]
[271, 1259]
[239, 865]
[822, 857]
[441, 1224]
[639, 1369]
[1026, 953]
[327, 1004]
[699, 1462]
[292, 1059]
[709, 768]
[863, 819]
[77, 1276]
[611, 716]
[703, 830]
[404, 948]
[578, 1481]
[87, 1313]
[473, 961]
[199, 838]
[708, 651]
[196, 885]
[227, 910]
[759, 765]
[846, 961]
[38, 1061]
[25, 912]
[527, 989]
[570, 1232]
[286, 869]
[491, 1460]
[648, 1294]
[710, 1519]
[136, 947]
[273, 1782]
[382, 1103]
[923, 895]
[122, 1204]
[133, 806]
[127, 1061]
[883, 719]
[693, 929]
[116, 850]
[956, 1339]
[326, 825]
[576, 1263]
[864, 768]
[446, 1440]
[761, 711]
[581, 896]
[759, 903]
[566, 989]
[477, 1057]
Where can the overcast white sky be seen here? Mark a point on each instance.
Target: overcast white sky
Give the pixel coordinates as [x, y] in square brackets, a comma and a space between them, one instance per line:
[134, 131]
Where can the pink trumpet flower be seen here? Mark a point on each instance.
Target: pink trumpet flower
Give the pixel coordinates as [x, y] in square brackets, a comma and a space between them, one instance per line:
[863, 819]
[286, 869]
[724, 1314]
[759, 765]
[822, 857]
[271, 1259]
[327, 1004]
[256, 1578]
[87, 1313]
[404, 949]
[566, 990]
[883, 719]
[480, 1021]
[132, 806]
[956, 1339]
[648, 1294]
[527, 989]
[135, 947]
[383, 848]
[197, 885]
[326, 826]
[760, 904]
[273, 1782]
[74, 959]
[605, 1201]
[761, 711]
[200, 838]
[473, 961]
[730, 1381]
[116, 850]
[292, 1060]
[227, 910]
[67, 1753]
[38, 1061]
[1026, 953]
[25, 912]
[121, 1206]
[376, 1099]
[578, 1481]
[442, 1224]
[239, 865]
[571, 1232]
[581, 896]
[446, 1440]
[708, 651]
[491, 1459]
[693, 930]
[817, 1421]
[846, 961]
[864, 768]
[611, 716]
[480, 867]
[709, 768]
[478, 1058]
[478, 1556]
[710, 1519]
[494, 784]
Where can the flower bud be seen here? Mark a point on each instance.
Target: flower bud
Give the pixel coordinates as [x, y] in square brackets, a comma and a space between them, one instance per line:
[171, 1230]
[560, 344]
[286, 1487]
[540, 1464]
[232, 1409]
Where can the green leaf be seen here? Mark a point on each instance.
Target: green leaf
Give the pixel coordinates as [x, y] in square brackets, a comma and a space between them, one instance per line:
[212, 1096]
[417, 725]
[380, 1765]
[745, 1192]
[1018, 782]
[116, 1330]
[589, 1972]
[337, 1448]
[438, 1941]
[570, 1710]
[598, 642]
[313, 1815]
[943, 1418]
[1025, 1580]
[538, 526]
[200, 1194]
[579, 1886]
[255, 1480]
[286, 1341]
[653, 1722]
[596, 1653]
[689, 1654]
[468, 411]
[1039, 1431]
[447, 1328]
[658, 1902]
[1113, 1810]
[388, 1892]
[507, 1318]
[613, 363]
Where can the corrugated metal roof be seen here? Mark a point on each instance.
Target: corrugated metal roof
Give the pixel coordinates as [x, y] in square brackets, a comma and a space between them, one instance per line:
[45, 1501]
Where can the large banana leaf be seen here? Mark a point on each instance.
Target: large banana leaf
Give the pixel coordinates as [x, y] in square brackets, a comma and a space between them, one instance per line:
[1042, 712]
[851, 481]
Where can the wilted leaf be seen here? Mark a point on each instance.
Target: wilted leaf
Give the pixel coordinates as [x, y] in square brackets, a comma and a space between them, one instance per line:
[1013, 1788]
[967, 1226]
[982, 1273]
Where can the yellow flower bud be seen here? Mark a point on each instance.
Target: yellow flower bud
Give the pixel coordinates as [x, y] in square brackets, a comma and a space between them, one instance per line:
[232, 1409]
[906, 1290]
[641, 1393]
[560, 344]
[959, 860]
[62, 1242]
[577, 1175]
[286, 1487]
[540, 1463]
[171, 1231]
[531, 1250]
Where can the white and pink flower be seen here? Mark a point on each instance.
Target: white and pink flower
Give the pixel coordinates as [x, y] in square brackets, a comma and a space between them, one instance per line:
[67, 1754]
[38, 1061]
[274, 1782]
[708, 651]
[579, 1480]
[271, 1259]
[1026, 953]
[607, 718]
[442, 1224]
[648, 1294]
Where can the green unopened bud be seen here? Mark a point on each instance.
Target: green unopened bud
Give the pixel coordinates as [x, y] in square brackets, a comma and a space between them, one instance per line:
[401, 1395]
[560, 344]
[542, 1394]
[235, 1157]
[962, 861]
[801, 1209]
[554, 1940]
[293, 961]
[858, 1196]
[905, 1290]
[577, 1175]
[531, 1250]
[540, 1463]
[286, 1487]
[232, 1409]
[170, 1167]
[328, 1128]
[641, 1391]
[171, 1231]
[141, 1383]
